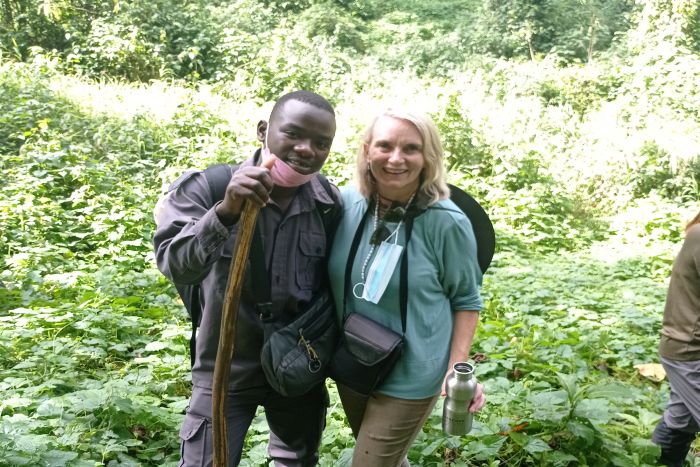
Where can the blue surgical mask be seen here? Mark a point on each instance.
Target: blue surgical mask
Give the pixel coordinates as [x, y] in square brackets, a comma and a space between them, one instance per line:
[381, 270]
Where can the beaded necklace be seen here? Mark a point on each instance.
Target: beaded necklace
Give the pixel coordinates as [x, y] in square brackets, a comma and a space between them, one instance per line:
[376, 225]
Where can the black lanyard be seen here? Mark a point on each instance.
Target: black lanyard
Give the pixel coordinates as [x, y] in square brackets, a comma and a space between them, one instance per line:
[403, 282]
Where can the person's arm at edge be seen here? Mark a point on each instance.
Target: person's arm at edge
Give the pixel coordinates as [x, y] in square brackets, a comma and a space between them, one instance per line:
[692, 243]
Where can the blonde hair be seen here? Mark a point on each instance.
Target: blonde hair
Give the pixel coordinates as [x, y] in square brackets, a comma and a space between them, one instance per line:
[432, 180]
[696, 220]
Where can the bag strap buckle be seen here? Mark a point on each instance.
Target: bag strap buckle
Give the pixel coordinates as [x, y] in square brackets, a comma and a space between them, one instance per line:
[264, 310]
[314, 361]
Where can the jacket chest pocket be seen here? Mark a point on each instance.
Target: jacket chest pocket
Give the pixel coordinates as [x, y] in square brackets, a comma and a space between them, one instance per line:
[310, 262]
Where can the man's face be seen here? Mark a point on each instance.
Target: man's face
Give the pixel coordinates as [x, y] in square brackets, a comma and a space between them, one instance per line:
[301, 135]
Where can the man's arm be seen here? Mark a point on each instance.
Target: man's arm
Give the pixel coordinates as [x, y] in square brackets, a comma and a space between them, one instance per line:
[194, 227]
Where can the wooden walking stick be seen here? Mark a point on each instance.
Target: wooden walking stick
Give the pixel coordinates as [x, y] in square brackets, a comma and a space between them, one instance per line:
[232, 299]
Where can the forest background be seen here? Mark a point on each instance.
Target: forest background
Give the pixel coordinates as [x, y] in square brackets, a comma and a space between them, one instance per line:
[576, 123]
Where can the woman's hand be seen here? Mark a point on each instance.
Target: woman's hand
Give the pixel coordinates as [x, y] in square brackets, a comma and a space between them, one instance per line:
[479, 399]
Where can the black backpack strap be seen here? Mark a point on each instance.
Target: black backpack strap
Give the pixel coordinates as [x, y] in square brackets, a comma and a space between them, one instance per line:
[347, 284]
[218, 176]
[190, 295]
[403, 282]
[262, 292]
[326, 185]
[329, 217]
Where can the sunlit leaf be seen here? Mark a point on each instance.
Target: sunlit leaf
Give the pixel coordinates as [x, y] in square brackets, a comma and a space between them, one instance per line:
[653, 371]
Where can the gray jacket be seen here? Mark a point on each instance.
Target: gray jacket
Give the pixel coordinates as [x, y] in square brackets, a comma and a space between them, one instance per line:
[680, 334]
[193, 246]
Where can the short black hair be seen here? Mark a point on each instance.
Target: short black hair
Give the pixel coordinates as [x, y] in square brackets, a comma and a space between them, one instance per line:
[307, 97]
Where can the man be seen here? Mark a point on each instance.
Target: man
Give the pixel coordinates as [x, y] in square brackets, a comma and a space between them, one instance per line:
[194, 244]
[680, 352]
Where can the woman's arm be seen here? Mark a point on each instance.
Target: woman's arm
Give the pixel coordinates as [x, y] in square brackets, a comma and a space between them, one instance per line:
[462, 335]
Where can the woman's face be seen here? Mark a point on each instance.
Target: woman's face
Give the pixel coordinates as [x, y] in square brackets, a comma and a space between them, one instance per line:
[395, 157]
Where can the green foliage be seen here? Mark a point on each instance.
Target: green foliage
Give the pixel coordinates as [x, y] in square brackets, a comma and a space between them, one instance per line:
[573, 381]
[117, 50]
[582, 28]
[364, 9]
[335, 24]
[514, 27]
[48, 24]
[146, 40]
[655, 173]
[570, 29]
[692, 27]
[428, 37]
[459, 141]
[272, 72]
[584, 93]
[86, 312]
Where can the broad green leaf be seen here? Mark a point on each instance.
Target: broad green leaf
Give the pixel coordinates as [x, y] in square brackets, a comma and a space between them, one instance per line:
[613, 391]
[486, 447]
[560, 459]
[646, 449]
[54, 458]
[345, 458]
[521, 439]
[536, 445]
[25, 365]
[647, 417]
[569, 383]
[582, 431]
[125, 405]
[50, 408]
[15, 402]
[431, 448]
[18, 459]
[85, 401]
[549, 405]
[595, 410]
[155, 346]
[30, 443]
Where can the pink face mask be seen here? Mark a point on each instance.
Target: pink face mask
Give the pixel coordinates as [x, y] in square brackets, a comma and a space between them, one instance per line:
[282, 174]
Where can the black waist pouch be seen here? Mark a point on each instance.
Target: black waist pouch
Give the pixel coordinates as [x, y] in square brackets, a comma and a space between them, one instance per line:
[365, 355]
[295, 356]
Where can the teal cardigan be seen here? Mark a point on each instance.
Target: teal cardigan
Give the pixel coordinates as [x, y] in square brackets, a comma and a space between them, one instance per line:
[443, 277]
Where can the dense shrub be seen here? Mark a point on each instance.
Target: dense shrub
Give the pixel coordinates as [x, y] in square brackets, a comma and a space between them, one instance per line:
[112, 49]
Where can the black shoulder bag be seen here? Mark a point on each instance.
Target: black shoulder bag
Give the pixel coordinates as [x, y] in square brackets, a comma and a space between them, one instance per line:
[295, 354]
[368, 350]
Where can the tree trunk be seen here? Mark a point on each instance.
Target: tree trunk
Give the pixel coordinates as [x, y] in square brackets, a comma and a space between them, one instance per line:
[591, 38]
[7, 16]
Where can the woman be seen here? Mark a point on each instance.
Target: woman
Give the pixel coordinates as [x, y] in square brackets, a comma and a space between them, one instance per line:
[401, 176]
[680, 352]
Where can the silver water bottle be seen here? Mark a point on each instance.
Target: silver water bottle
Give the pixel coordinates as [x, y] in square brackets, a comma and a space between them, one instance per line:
[460, 388]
